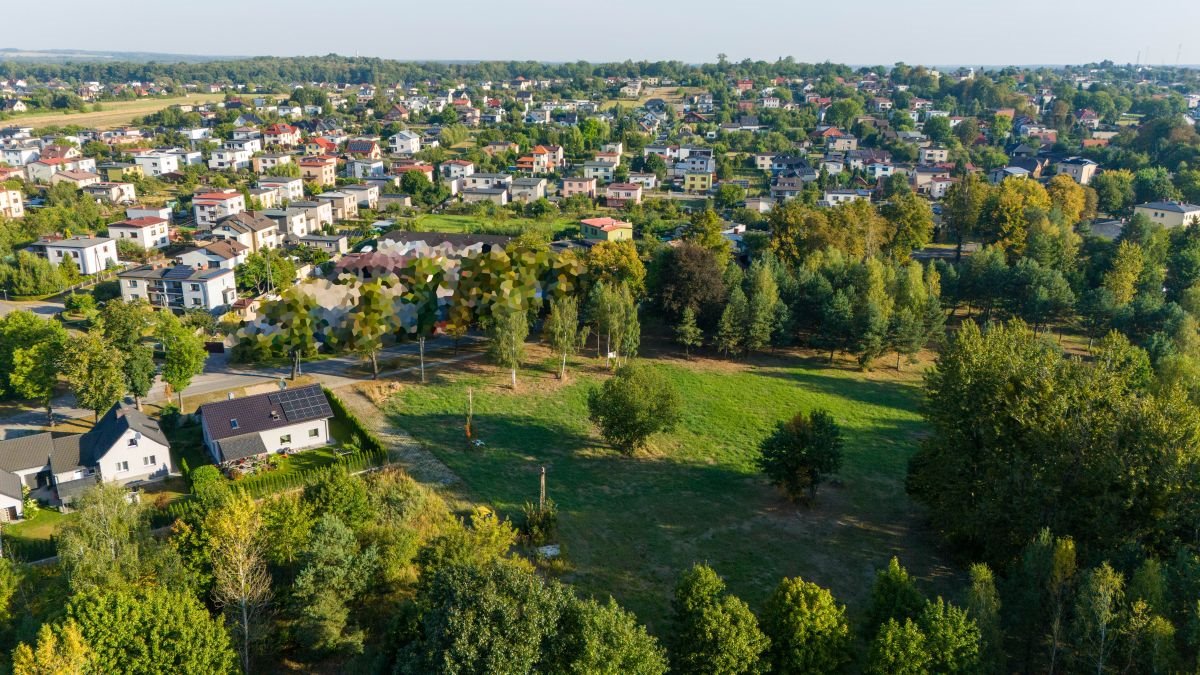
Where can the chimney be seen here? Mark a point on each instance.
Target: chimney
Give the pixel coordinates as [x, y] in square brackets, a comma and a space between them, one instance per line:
[229, 396]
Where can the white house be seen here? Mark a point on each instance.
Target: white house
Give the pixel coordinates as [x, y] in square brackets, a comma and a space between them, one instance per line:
[148, 232]
[229, 159]
[11, 204]
[156, 163]
[405, 143]
[291, 419]
[125, 447]
[289, 189]
[91, 254]
[180, 287]
[213, 206]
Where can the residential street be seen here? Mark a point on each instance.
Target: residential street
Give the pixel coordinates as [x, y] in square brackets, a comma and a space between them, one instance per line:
[220, 375]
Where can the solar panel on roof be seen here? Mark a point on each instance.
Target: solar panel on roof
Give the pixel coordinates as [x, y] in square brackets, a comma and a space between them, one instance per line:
[178, 273]
[300, 404]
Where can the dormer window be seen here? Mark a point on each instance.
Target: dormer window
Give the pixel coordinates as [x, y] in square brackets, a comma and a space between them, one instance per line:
[233, 423]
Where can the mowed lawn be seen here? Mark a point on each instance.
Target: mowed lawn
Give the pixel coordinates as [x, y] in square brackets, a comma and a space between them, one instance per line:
[629, 525]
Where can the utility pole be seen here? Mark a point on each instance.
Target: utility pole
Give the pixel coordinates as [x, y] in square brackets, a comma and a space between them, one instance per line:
[542, 493]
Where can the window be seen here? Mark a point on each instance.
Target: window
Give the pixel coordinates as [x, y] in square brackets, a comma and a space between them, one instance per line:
[285, 439]
[133, 442]
[133, 283]
[122, 467]
[149, 461]
[196, 288]
[313, 433]
[233, 423]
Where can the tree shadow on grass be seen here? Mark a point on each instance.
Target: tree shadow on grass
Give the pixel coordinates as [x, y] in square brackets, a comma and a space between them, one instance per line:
[874, 392]
[631, 524]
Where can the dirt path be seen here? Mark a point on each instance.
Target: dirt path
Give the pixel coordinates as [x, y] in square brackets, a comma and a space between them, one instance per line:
[403, 449]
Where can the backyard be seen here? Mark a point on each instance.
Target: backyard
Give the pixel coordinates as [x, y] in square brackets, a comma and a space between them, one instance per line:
[629, 525]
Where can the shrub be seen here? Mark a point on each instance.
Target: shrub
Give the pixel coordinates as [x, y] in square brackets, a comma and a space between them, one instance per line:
[635, 403]
[541, 523]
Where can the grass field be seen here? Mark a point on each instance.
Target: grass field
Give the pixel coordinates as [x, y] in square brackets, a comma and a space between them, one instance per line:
[436, 222]
[629, 525]
[113, 113]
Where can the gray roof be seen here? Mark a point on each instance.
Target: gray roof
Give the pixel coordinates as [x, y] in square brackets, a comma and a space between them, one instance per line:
[71, 489]
[67, 454]
[1173, 207]
[177, 272]
[263, 412]
[26, 452]
[10, 485]
[239, 447]
[73, 242]
[248, 221]
[117, 421]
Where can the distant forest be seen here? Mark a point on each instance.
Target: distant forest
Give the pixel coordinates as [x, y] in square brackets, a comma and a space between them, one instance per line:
[266, 71]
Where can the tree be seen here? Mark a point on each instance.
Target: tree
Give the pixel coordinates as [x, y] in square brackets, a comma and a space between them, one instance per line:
[983, 606]
[688, 333]
[688, 277]
[265, 271]
[616, 262]
[729, 195]
[937, 129]
[704, 230]
[493, 618]
[1114, 187]
[951, 638]
[893, 597]
[125, 323]
[563, 330]
[731, 330]
[912, 219]
[143, 631]
[632, 405]
[801, 453]
[808, 630]
[334, 571]
[241, 584]
[108, 545]
[712, 632]
[603, 639]
[899, 649]
[139, 370]
[1068, 197]
[962, 208]
[371, 322]
[185, 354]
[35, 368]
[1098, 615]
[510, 327]
[763, 306]
[287, 522]
[95, 371]
[60, 650]
[336, 492]
[1121, 278]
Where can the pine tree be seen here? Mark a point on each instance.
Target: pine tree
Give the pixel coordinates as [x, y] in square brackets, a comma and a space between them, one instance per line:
[732, 328]
[688, 333]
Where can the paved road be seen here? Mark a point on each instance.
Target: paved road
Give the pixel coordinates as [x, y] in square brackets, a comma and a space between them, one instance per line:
[43, 308]
[220, 375]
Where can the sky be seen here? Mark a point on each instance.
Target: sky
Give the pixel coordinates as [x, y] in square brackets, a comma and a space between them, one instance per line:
[932, 32]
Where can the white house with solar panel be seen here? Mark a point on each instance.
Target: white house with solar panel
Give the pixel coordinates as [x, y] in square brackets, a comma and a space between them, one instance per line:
[282, 421]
